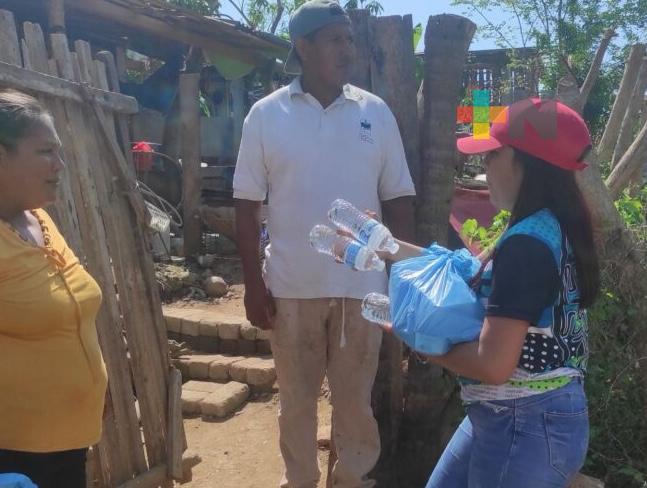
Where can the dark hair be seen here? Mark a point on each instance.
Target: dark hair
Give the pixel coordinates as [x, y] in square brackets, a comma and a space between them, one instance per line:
[547, 186]
[19, 112]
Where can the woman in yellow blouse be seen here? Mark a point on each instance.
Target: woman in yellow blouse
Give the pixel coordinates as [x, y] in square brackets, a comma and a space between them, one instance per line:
[52, 375]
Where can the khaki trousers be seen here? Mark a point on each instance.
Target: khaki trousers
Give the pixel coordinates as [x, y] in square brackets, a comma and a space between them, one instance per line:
[313, 338]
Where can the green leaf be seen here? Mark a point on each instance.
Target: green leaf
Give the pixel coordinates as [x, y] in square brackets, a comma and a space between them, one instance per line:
[417, 35]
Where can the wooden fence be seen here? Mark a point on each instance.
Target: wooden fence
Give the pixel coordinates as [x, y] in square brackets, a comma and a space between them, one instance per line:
[103, 217]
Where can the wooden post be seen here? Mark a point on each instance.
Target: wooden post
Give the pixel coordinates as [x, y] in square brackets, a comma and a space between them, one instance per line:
[9, 45]
[393, 79]
[56, 16]
[361, 76]
[237, 89]
[447, 41]
[191, 160]
[629, 122]
[392, 76]
[431, 406]
[631, 162]
[610, 136]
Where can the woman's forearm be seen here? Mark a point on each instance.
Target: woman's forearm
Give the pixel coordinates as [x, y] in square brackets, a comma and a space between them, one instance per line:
[406, 251]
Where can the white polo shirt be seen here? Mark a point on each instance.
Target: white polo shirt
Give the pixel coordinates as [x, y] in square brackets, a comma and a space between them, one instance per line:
[303, 157]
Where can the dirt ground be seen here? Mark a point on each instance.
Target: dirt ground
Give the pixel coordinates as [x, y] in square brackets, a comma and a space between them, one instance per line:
[241, 451]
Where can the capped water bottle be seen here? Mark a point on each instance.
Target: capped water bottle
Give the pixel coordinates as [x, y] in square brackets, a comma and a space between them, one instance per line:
[377, 308]
[327, 241]
[364, 228]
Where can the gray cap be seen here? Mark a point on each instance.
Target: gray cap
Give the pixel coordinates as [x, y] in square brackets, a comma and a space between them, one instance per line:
[308, 18]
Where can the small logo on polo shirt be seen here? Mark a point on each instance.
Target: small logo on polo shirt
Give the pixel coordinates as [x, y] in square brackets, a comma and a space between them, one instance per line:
[365, 134]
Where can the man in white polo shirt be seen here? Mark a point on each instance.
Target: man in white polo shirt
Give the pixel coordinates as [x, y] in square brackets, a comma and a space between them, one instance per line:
[304, 146]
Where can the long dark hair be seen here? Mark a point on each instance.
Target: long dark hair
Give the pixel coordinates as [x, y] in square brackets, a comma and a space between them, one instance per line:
[547, 186]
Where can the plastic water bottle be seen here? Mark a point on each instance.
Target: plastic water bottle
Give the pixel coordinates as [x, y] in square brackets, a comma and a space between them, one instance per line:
[377, 308]
[327, 241]
[366, 230]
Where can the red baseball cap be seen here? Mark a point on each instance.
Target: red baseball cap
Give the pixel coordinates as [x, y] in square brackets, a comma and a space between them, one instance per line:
[546, 129]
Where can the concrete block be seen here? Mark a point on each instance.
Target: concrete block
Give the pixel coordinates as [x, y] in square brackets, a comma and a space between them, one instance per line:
[225, 401]
[209, 327]
[219, 367]
[261, 374]
[201, 386]
[229, 330]
[228, 346]
[173, 319]
[246, 348]
[248, 331]
[183, 365]
[263, 335]
[190, 327]
[191, 401]
[199, 366]
[208, 344]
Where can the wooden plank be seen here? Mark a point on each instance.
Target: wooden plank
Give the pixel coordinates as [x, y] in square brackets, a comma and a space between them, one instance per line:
[37, 51]
[25, 79]
[394, 80]
[126, 240]
[123, 130]
[361, 76]
[86, 63]
[191, 159]
[175, 428]
[9, 45]
[121, 437]
[56, 16]
[237, 89]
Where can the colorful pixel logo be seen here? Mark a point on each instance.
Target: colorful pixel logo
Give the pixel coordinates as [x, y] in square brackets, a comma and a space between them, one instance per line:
[480, 114]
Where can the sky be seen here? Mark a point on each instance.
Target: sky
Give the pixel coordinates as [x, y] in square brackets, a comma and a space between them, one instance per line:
[419, 9]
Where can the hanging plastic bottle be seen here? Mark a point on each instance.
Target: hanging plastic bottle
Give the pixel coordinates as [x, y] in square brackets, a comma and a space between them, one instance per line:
[377, 308]
[365, 229]
[327, 241]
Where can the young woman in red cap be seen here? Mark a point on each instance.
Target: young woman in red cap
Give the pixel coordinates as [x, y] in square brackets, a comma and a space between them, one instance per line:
[522, 381]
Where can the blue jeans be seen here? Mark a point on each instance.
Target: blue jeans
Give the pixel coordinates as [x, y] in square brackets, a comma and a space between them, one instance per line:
[533, 442]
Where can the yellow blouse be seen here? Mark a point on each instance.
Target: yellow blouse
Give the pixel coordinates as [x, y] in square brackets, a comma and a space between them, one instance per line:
[52, 376]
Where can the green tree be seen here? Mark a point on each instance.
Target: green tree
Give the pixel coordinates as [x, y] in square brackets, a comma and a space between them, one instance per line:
[204, 7]
[272, 15]
[566, 34]
[371, 5]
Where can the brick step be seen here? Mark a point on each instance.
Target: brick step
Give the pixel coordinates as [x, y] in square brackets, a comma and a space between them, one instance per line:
[213, 399]
[256, 372]
[214, 332]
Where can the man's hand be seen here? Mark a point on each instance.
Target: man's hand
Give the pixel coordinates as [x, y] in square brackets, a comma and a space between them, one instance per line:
[260, 306]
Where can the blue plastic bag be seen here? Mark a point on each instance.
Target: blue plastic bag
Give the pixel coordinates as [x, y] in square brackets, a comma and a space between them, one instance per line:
[15, 480]
[432, 305]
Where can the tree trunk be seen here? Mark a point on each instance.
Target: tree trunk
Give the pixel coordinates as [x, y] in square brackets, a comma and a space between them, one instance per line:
[610, 136]
[632, 161]
[447, 41]
[629, 123]
[431, 405]
[392, 74]
[594, 71]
